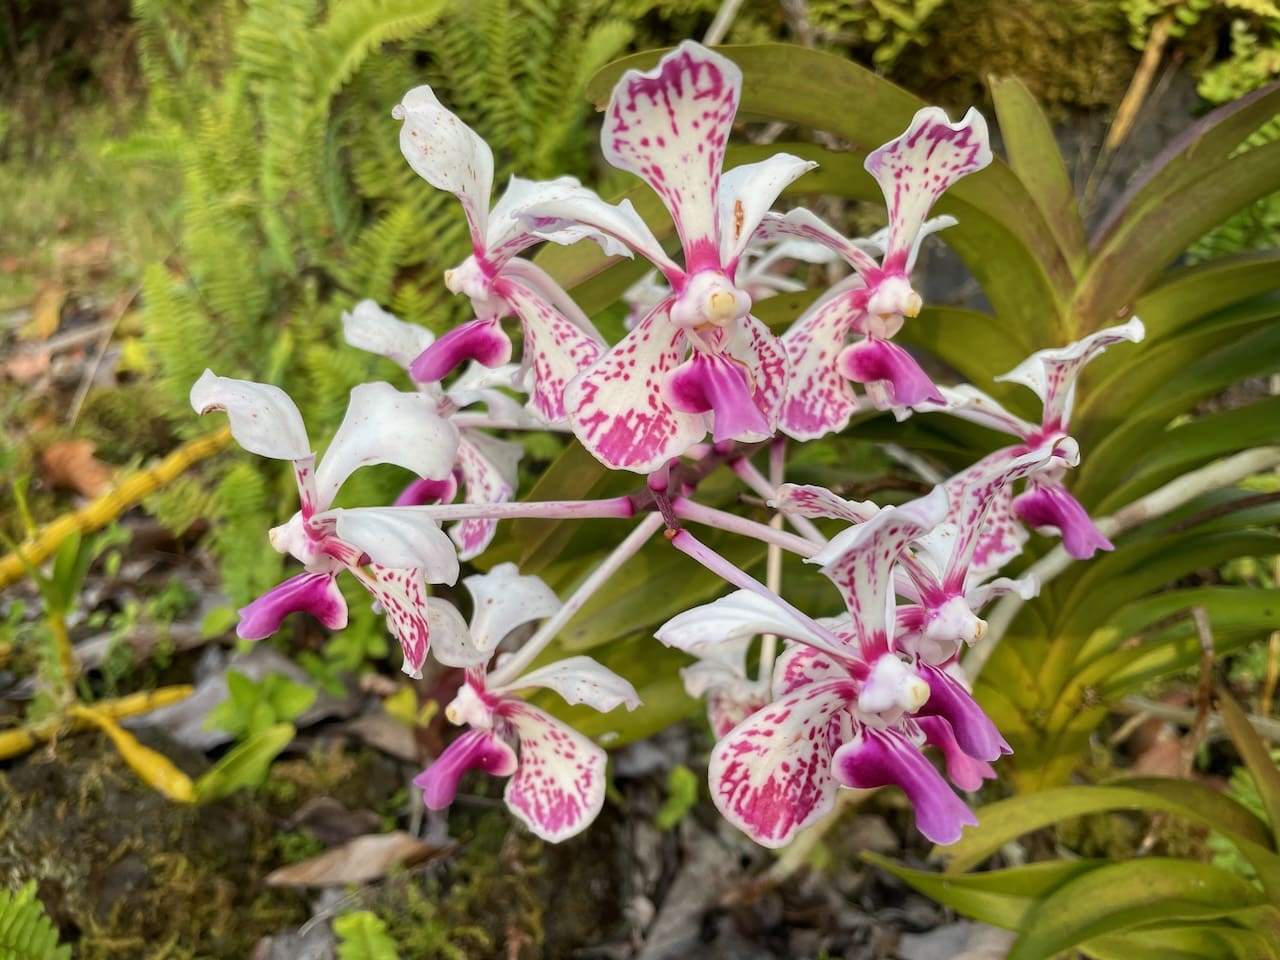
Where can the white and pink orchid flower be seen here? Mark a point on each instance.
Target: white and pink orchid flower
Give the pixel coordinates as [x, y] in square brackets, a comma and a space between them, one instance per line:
[486, 469]
[1045, 504]
[392, 555]
[698, 362]
[557, 783]
[913, 171]
[559, 340]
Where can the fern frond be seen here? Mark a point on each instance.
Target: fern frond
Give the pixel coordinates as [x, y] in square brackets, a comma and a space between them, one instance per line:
[26, 932]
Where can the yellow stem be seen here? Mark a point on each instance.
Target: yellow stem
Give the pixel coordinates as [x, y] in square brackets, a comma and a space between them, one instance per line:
[38, 548]
[14, 743]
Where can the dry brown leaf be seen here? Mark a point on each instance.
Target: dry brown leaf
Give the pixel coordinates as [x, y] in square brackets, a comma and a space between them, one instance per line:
[71, 465]
[26, 366]
[46, 313]
[359, 861]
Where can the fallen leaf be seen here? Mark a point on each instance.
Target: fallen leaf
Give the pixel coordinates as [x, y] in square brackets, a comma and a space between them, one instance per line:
[331, 823]
[71, 465]
[385, 733]
[359, 861]
[46, 313]
[26, 366]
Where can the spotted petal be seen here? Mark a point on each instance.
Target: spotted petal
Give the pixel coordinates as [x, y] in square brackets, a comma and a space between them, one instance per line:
[263, 418]
[448, 154]
[510, 231]
[488, 467]
[753, 345]
[557, 219]
[807, 225]
[915, 169]
[801, 665]
[582, 680]
[559, 787]
[670, 127]
[402, 594]
[820, 400]
[808, 500]
[771, 775]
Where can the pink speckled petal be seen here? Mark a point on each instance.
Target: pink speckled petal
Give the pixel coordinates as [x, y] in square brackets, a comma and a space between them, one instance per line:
[891, 375]
[483, 341]
[962, 770]
[398, 537]
[448, 154]
[1000, 539]
[555, 348]
[807, 225]
[771, 775]
[728, 706]
[558, 219]
[559, 787]
[313, 593]
[510, 231]
[878, 758]
[820, 400]
[369, 327]
[402, 593]
[582, 680]
[915, 169]
[670, 127]
[489, 472]
[264, 420]
[473, 750]
[801, 665]
[619, 409]
[808, 500]
[1052, 374]
[949, 699]
[746, 194]
[860, 562]
[1048, 506]
[716, 384]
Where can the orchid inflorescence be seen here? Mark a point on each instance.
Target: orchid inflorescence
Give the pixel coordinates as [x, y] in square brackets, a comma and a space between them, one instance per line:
[851, 700]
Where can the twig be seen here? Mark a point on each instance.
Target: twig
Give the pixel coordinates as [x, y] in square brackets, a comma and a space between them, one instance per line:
[1267, 728]
[1204, 691]
[720, 25]
[1127, 112]
[108, 331]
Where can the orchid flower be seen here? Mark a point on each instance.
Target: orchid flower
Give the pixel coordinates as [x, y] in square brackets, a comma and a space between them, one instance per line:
[559, 340]
[913, 171]
[486, 467]
[1045, 504]
[392, 555]
[698, 361]
[557, 775]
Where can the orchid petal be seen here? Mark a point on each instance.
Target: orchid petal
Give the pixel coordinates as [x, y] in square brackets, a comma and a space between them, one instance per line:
[559, 787]
[740, 614]
[503, 599]
[891, 689]
[801, 665]
[746, 194]
[489, 469]
[948, 699]
[891, 375]
[728, 706]
[1048, 506]
[820, 400]
[420, 491]
[383, 425]
[753, 344]
[1028, 588]
[969, 403]
[263, 419]
[556, 220]
[448, 154]
[670, 127]
[368, 327]
[1052, 374]
[555, 348]
[807, 500]
[480, 340]
[1000, 539]
[403, 596]
[770, 776]
[509, 228]
[313, 593]
[473, 750]
[618, 407]
[962, 770]
[716, 384]
[582, 680]
[399, 537]
[916, 168]
[451, 640]
[807, 225]
[878, 758]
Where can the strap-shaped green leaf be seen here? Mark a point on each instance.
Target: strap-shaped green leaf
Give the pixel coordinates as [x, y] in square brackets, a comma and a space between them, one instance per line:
[1256, 757]
[1168, 941]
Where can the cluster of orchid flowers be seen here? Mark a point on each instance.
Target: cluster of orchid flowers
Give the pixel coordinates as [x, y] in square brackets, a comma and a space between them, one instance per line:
[851, 700]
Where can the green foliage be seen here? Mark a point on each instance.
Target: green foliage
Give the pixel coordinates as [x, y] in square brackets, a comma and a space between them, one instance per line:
[682, 794]
[245, 766]
[26, 932]
[253, 706]
[884, 28]
[364, 937]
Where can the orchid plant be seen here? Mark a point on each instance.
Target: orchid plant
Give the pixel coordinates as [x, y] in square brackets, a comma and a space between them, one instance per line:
[696, 387]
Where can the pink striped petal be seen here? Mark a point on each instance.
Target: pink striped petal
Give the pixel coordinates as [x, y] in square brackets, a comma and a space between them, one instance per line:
[555, 348]
[402, 594]
[948, 699]
[559, 787]
[728, 706]
[915, 169]
[891, 375]
[1000, 539]
[820, 400]
[480, 340]
[474, 750]
[619, 409]
[313, 593]
[962, 770]
[771, 776]
[879, 758]
[1048, 506]
[670, 127]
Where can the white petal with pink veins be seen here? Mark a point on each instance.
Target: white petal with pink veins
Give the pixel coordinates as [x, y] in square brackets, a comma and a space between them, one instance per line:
[582, 680]
[402, 593]
[264, 420]
[368, 327]
[670, 127]
[820, 400]
[746, 194]
[448, 154]
[1052, 374]
[915, 169]
[771, 775]
[384, 425]
[619, 409]
[503, 599]
[1000, 540]
[812, 501]
[555, 348]
[399, 537]
[740, 614]
[801, 665]
[558, 788]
